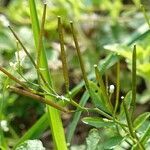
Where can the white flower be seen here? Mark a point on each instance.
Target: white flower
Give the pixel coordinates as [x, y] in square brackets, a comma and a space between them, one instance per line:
[4, 21]
[20, 56]
[122, 97]
[13, 65]
[4, 125]
[111, 89]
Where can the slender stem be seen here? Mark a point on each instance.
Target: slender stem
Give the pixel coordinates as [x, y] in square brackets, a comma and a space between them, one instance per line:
[130, 126]
[63, 55]
[13, 78]
[79, 55]
[118, 87]
[106, 82]
[18, 81]
[15, 35]
[133, 102]
[128, 119]
[38, 98]
[31, 59]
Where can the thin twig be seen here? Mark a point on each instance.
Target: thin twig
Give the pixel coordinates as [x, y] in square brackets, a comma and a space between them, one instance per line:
[38, 98]
[63, 55]
[79, 55]
[133, 102]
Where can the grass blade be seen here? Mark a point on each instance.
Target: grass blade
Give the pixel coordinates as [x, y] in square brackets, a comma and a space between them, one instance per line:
[53, 115]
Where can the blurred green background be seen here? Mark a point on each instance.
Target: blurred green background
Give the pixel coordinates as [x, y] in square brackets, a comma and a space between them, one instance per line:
[104, 26]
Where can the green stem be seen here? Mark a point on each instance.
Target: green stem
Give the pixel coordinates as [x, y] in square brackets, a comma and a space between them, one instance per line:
[79, 55]
[118, 87]
[130, 126]
[13, 78]
[63, 55]
[106, 82]
[38, 98]
[133, 102]
[31, 59]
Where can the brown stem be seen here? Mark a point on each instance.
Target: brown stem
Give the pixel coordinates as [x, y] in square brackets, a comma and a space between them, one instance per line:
[38, 98]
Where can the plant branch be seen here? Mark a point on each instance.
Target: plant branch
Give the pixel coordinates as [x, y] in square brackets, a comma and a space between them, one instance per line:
[38, 98]
[133, 102]
[63, 55]
[79, 55]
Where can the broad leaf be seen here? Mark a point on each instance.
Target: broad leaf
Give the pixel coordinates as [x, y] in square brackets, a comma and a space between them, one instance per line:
[97, 122]
[97, 97]
[112, 142]
[93, 139]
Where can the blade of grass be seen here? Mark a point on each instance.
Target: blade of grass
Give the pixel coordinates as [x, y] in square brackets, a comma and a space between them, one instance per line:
[53, 115]
[40, 39]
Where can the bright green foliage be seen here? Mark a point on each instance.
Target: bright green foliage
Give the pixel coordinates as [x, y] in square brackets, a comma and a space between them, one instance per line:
[140, 120]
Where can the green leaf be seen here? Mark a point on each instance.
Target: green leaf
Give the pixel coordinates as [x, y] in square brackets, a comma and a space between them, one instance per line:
[97, 122]
[140, 120]
[127, 101]
[31, 145]
[97, 97]
[93, 139]
[112, 142]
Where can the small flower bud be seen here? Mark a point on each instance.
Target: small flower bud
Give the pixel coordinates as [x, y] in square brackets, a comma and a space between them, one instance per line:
[111, 89]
